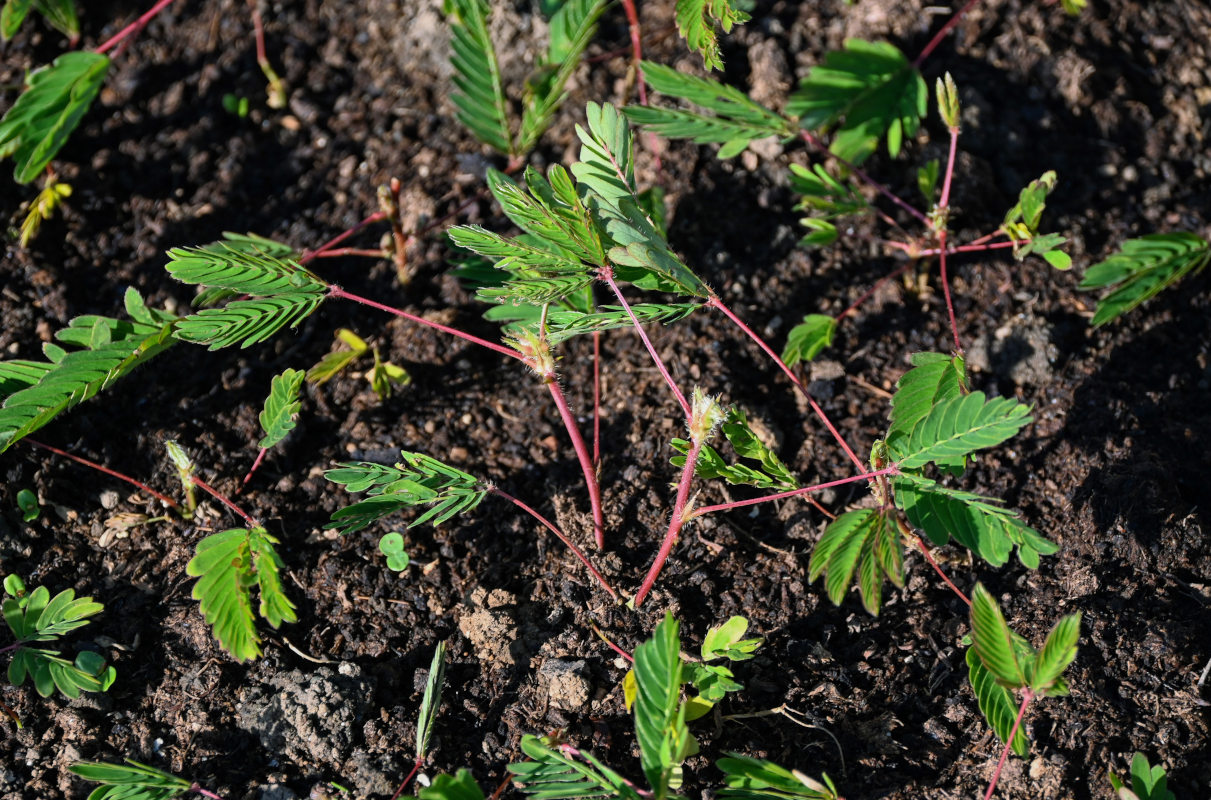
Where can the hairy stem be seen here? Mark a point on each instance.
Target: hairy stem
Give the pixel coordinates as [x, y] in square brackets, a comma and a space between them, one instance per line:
[941, 34]
[134, 26]
[812, 140]
[559, 535]
[698, 512]
[168, 501]
[811, 401]
[967, 248]
[582, 454]
[336, 291]
[252, 523]
[679, 519]
[340, 237]
[608, 276]
[1027, 696]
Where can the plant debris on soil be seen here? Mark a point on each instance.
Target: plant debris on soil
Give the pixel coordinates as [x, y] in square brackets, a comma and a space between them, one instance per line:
[1114, 469]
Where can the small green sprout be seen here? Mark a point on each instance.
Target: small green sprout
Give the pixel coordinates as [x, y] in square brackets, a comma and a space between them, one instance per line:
[27, 501]
[392, 546]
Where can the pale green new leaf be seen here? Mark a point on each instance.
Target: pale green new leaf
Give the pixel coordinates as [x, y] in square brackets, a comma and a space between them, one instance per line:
[659, 714]
[281, 407]
[480, 97]
[771, 472]
[606, 164]
[696, 20]
[417, 481]
[113, 348]
[959, 426]
[430, 701]
[727, 641]
[129, 781]
[865, 541]
[1021, 224]
[228, 564]
[996, 703]
[44, 116]
[733, 117]
[1147, 782]
[808, 338]
[1057, 653]
[1143, 268]
[993, 641]
[826, 199]
[867, 92]
[747, 778]
[551, 773]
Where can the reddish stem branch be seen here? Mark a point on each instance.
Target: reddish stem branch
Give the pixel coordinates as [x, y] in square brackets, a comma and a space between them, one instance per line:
[351, 251]
[336, 291]
[168, 501]
[255, 466]
[892, 470]
[197, 788]
[924, 548]
[582, 454]
[940, 35]
[811, 139]
[679, 519]
[1027, 696]
[252, 523]
[608, 276]
[415, 769]
[559, 535]
[340, 237]
[965, 248]
[632, 15]
[811, 401]
[134, 26]
[869, 293]
[601, 635]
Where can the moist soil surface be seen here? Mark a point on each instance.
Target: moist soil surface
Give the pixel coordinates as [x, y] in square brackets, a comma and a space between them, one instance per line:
[1114, 468]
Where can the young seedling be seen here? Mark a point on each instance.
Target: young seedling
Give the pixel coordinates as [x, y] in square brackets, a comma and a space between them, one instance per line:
[427, 714]
[135, 781]
[1146, 782]
[383, 375]
[36, 617]
[392, 546]
[27, 502]
[278, 417]
[42, 208]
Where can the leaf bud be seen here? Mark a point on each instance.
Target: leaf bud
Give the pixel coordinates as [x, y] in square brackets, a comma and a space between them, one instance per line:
[948, 101]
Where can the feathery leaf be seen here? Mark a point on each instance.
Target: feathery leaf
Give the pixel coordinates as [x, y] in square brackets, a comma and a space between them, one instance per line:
[227, 564]
[659, 715]
[551, 773]
[771, 472]
[867, 541]
[480, 97]
[129, 781]
[808, 338]
[1057, 653]
[826, 199]
[868, 91]
[748, 778]
[416, 481]
[959, 426]
[1144, 268]
[431, 700]
[44, 116]
[606, 164]
[993, 641]
[996, 703]
[696, 20]
[281, 406]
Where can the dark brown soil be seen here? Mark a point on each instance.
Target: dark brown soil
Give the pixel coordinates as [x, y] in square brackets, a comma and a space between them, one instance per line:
[1115, 468]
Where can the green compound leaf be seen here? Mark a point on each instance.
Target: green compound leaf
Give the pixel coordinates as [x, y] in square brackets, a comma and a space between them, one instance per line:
[696, 20]
[996, 703]
[113, 349]
[734, 119]
[563, 324]
[660, 727]
[978, 523]
[552, 773]
[282, 292]
[452, 787]
[572, 27]
[45, 115]
[431, 700]
[1147, 782]
[12, 15]
[867, 91]
[480, 97]
[748, 778]
[825, 199]
[417, 481]
[994, 642]
[37, 617]
[61, 14]
[607, 159]
[1021, 225]
[228, 564]
[129, 781]
[808, 338]
[727, 641]
[865, 541]
[281, 407]
[1143, 269]
[642, 255]
[934, 378]
[1057, 653]
[550, 209]
[771, 472]
[958, 427]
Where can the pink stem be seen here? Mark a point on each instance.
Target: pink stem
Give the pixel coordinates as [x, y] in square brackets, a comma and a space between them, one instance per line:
[582, 453]
[636, 47]
[559, 535]
[950, 308]
[197, 788]
[950, 168]
[168, 501]
[871, 291]
[258, 26]
[609, 643]
[336, 291]
[134, 26]
[940, 35]
[1027, 696]
[679, 519]
[811, 139]
[966, 248]
[255, 465]
[350, 251]
[415, 769]
[252, 523]
[943, 204]
[340, 237]
[811, 401]
[607, 275]
[892, 470]
[929, 557]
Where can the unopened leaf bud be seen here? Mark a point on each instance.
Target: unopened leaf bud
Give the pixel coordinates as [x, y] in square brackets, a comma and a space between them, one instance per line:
[948, 101]
[705, 416]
